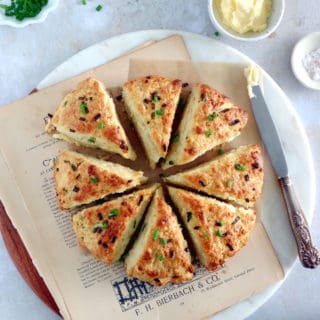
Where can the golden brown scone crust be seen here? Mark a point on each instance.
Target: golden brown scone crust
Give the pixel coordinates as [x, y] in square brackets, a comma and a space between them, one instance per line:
[160, 254]
[105, 230]
[220, 177]
[209, 119]
[81, 179]
[153, 128]
[218, 230]
[95, 124]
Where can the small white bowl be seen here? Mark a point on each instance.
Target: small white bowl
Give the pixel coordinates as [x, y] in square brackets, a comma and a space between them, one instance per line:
[304, 46]
[274, 20]
[13, 22]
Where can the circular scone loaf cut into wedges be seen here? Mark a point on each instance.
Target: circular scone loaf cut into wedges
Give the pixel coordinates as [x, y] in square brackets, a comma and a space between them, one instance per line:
[105, 230]
[209, 120]
[218, 230]
[160, 254]
[151, 103]
[236, 176]
[87, 117]
[81, 179]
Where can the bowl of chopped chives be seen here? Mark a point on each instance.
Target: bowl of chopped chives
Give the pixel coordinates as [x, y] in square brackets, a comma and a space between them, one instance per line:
[21, 13]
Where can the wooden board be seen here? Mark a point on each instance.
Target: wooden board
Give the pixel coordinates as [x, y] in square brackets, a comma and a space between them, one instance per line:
[22, 260]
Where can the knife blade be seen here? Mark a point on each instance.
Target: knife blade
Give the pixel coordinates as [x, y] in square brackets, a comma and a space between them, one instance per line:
[308, 253]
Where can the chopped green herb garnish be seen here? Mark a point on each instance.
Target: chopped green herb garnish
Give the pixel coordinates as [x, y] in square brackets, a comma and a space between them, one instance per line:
[217, 34]
[92, 139]
[229, 183]
[155, 99]
[105, 225]
[219, 233]
[189, 216]
[84, 2]
[99, 7]
[159, 112]
[220, 151]
[84, 108]
[94, 179]
[175, 138]
[100, 125]
[240, 167]
[212, 116]
[164, 241]
[155, 234]
[208, 133]
[113, 213]
[161, 257]
[206, 235]
[220, 223]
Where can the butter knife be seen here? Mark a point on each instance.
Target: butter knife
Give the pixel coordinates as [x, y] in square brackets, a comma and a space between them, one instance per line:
[308, 253]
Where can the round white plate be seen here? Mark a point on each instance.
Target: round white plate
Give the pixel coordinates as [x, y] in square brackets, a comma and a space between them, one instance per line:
[286, 119]
[13, 22]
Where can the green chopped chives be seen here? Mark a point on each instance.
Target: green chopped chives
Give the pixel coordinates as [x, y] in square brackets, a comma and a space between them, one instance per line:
[212, 116]
[100, 125]
[219, 233]
[229, 183]
[155, 234]
[220, 151]
[99, 7]
[208, 133]
[206, 235]
[159, 112]
[155, 99]
[240, 167]
[94, 179]
[220, 223]
[92, 139]
[114, 212]
[164, 241]
[175, 138]
[83, 107]
[161, 257]
[105, 225]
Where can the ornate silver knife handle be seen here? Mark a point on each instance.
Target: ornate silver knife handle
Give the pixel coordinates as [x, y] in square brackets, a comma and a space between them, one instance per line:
[308, 253]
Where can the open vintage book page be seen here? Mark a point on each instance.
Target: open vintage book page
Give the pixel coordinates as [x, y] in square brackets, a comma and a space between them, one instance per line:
[84, 287]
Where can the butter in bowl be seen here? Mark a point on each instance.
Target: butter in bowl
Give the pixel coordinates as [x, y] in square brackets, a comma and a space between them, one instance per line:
[247, 20]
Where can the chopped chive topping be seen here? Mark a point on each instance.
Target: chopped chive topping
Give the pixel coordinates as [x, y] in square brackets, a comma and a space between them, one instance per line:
[206, 235]
[92, 139]
[161, 257]
[240, 167]
[84, 2]
[105, 225]
[212, 116]
[220, 151]
[164, 241]
[155, 235]
[220, 223]
[219, 233]
[155, 99]
[94, 179]
[208, 133]
[100, 125]
[99, 7]
[114, 212]
[159, 112]
[84, 108]
[217, 34]
[189, 216]
[175, 138]
[229, 183]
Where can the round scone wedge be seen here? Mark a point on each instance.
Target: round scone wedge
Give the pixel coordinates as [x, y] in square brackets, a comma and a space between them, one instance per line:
[105, 230]
[87, 117]
[81, 179]
[151, 102]
[218, 230]
[160, 254]
[236, 176]
[209, 119]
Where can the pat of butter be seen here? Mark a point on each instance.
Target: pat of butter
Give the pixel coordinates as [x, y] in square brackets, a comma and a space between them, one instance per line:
[245, 15]
[253, 76]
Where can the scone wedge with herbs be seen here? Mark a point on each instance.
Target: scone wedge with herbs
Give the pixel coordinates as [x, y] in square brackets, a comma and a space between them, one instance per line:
[160, 254]
[87, 117]
[105, 230]
[218, 230]
[82, 179]
[236, 176]
[209, 120]
[151, 103]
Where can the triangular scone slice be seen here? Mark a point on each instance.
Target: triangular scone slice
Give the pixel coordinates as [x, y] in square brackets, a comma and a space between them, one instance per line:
[235, 176]
[81, 179]
[105, 230]
[151, 103]
[209, 119]
[160, 254]
[87, 117]
[218, 230]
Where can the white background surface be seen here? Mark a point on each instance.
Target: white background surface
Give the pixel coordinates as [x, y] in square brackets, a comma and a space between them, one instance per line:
[27, 55]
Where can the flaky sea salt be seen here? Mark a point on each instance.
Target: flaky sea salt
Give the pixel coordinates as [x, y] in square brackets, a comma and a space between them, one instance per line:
[311, 63]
